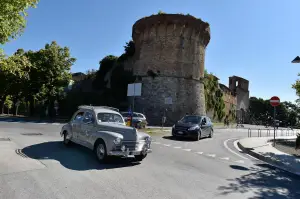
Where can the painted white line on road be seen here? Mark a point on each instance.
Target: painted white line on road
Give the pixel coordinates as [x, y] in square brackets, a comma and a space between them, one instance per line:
[240, 161]
[187, 149]
[167, 145]
[200, 153]
[55, 124]
[177, 147]
[211, 155]
[226, 146]
[42, 123]
[225, 158]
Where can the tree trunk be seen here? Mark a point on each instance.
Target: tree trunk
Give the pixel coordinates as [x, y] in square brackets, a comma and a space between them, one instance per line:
[31, 106]
[2, 100]
[14, 107]
[2, 107]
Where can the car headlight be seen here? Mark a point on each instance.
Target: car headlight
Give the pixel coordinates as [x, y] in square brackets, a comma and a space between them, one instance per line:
[117, 141]
[194, 128]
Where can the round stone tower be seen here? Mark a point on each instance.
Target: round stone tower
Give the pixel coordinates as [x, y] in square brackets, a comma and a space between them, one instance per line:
[169, 62]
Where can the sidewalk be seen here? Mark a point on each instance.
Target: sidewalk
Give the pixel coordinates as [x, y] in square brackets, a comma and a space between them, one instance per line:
[262, 149]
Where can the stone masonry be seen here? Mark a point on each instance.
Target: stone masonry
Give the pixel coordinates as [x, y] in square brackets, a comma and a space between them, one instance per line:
[169, 62]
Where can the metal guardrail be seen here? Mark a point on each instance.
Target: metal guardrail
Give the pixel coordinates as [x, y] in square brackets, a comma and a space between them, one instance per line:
[269, 132]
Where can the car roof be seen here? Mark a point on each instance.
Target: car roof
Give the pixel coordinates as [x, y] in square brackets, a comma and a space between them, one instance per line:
[195, 115]
[99, 109]
[123, 112]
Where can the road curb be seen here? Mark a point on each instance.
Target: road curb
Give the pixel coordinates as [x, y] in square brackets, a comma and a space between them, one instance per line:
[269, 161]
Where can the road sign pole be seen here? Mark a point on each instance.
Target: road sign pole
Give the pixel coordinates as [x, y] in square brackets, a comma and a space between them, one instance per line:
[274, 125]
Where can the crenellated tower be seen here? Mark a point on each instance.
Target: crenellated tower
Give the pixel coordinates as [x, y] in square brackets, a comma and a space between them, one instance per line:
[169, 62]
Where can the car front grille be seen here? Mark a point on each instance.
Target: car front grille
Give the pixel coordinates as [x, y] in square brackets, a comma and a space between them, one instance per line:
[128, 144]
[180, 128]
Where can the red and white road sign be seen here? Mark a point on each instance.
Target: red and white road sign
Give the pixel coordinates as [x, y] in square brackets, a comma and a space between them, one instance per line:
[275, 101]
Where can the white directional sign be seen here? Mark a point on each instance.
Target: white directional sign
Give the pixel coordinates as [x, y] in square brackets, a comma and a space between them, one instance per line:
[134, 89]
[168, 100]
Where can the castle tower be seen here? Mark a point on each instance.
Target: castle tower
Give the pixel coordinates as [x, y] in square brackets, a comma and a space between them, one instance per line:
[169, 62]
[240, 87]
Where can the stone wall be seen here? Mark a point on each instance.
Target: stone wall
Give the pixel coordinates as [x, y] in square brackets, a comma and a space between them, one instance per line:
[169, 58]
[230, 103]
[186, 96]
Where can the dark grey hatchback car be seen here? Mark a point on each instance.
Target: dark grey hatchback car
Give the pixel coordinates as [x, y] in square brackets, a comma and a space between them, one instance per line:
[193, 126]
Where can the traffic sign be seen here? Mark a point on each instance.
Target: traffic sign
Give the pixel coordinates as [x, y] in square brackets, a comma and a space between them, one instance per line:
[275, 101]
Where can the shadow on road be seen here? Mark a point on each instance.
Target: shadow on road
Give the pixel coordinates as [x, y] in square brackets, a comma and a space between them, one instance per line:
[74, 157]
[265, 182]
[239, 167]
[180, 138]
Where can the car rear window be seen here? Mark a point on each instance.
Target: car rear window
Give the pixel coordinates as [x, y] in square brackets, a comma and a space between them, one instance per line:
[110, 117]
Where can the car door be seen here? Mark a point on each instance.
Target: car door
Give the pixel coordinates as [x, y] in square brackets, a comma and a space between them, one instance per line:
[76, 125]
[87, 127]
[204, 127]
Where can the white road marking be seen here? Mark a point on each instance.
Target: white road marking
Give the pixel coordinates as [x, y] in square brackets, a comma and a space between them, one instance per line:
[177, 147]
[225, 158]
[226, 146]
[240, 161]
[211, 155]
[167, 145]
[55, 123]
[42, 123]
[200, 153]
[187, 149]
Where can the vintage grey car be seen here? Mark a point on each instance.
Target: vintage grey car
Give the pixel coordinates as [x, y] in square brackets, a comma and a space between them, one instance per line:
[103, 130]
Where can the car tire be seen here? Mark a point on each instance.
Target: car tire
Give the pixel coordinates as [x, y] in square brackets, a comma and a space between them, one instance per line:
[100, 151]
[198, 137]
[66, 141]
[140, 157]
[211, 133]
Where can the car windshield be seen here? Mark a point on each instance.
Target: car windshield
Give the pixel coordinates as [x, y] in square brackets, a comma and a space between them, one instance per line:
[109, 117]
[191, 119]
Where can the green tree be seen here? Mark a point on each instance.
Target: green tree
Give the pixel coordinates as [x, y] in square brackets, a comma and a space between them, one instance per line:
[213, 96]
[13, 77]
[106, 65]
[13, 17]
[49, 75]
[261, 110]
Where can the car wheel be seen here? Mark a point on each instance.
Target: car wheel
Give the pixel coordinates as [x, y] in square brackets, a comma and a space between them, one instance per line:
[100, 150]
[211, 133]
[198, 137]
[66, 141]
[140, 157]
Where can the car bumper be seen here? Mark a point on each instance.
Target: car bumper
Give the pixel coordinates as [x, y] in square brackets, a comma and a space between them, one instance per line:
[129, 153]
[187, 134]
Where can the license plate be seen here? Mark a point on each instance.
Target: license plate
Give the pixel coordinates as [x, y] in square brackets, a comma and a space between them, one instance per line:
[179, 132]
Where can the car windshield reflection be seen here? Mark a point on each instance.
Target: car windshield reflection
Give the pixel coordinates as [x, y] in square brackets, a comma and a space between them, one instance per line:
[190, 119]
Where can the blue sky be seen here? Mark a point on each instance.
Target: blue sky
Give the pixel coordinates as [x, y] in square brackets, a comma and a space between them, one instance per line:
[253, 39]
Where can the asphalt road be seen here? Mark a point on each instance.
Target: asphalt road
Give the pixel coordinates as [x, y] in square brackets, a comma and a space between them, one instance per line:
[35, 164]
